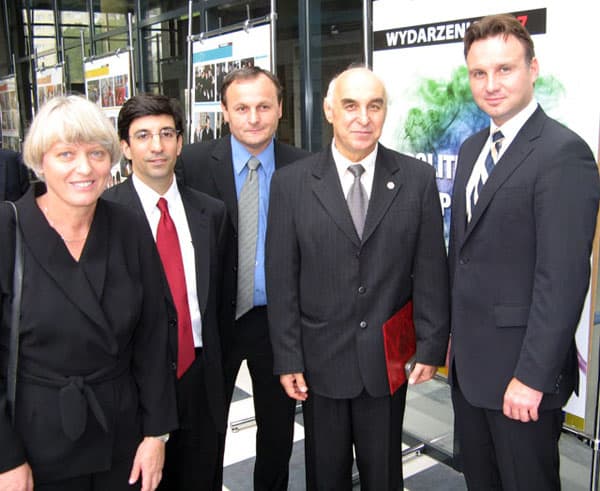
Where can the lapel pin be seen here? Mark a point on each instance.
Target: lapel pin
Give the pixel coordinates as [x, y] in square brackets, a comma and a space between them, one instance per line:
[390, 185]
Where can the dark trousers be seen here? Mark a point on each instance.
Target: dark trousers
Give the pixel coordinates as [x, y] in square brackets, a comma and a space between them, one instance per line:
[273, 409]
[373, 425]
[194, 452]
[498, 453]
[115, 479]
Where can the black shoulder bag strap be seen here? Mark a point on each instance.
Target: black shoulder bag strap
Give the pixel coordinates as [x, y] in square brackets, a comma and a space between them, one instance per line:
[13, 354]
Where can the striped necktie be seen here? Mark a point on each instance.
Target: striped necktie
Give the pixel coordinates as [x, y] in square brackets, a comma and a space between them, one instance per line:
[247, 236]
[490, 162]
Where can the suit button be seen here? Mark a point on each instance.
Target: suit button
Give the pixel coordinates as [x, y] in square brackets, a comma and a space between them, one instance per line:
[172, 323]
[363, 324]
[361, 289]
[463, 260]
[235, 269]
[173, 365]
[233, 303]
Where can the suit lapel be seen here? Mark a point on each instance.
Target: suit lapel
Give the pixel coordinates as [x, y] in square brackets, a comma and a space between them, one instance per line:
[131, 199]
[50, 252]
[197, 222]
[387, 181]
[222, 169]
[95, 254]
[468, 158]
[328, 190]
[514, 156]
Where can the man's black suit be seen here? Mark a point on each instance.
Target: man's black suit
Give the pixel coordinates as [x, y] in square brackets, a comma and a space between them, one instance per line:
[208, 167]
[519, 271]
[201, 390]
[330, 293]
[14, 178]
[207, 134]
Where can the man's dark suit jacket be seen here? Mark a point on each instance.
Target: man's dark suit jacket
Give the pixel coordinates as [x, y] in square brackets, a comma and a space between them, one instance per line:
[520, 268]
[14, 177]
[208, 167]
[330, 293]
[99, 324]
[207, 134]
[207, 220]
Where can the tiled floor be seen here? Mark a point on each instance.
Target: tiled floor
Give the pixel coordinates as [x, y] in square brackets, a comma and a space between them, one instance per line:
[428, 419]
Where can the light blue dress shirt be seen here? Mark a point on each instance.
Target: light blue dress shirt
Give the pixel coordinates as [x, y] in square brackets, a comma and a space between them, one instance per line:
[265, 171]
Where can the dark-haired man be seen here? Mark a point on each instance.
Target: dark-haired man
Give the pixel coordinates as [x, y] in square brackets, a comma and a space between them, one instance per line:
[190, 231]
[251, 104]
[523, 217]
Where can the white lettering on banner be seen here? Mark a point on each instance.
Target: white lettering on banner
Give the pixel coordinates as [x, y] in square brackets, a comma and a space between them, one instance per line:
[426, 35]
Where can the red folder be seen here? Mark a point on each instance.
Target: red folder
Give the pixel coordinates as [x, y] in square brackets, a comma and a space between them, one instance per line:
[400, 344]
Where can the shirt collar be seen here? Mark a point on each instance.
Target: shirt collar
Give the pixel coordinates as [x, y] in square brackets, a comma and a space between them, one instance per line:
[240, 155]
[342, 162]
[514, 124]
[149, 198]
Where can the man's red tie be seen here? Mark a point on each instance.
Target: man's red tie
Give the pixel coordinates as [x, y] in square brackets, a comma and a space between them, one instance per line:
[167, 243]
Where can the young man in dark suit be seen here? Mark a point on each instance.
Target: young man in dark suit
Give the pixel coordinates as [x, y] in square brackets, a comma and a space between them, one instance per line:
[355, 233]
[251, 104]
[150, 129]
[523, 217]
[14, 178]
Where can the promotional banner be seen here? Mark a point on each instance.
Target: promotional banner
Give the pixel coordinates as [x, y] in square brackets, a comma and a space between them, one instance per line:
[108, 84]
[418, 53]
[50, 82]
[212, 59]
[11, 121]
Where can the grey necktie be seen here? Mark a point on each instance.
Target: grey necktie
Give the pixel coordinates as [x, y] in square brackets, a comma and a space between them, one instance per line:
[247, 235]
[357, 199]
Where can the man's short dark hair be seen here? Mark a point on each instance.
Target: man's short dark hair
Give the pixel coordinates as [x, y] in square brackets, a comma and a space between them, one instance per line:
[148, 105]
[249, 73]
[499, 25]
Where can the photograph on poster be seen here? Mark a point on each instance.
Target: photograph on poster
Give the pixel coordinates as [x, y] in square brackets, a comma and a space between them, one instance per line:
[107, 92]
[204, 126]
[9, 114]
[121, 89]
[213, 59]
[50, 83]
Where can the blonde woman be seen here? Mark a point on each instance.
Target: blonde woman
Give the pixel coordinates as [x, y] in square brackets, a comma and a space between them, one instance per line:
[95, 398]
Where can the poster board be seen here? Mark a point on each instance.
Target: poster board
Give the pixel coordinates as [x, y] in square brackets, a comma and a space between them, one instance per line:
[212, 59]
[50, 82]
[9, 114]
[108, 84]
[418, 52]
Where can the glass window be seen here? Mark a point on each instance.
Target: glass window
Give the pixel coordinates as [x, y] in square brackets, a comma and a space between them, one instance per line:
[334, 43]
[44, 34]
[163, 55]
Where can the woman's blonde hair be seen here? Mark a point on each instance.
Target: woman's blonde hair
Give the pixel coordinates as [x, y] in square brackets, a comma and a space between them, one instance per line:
[68, 119]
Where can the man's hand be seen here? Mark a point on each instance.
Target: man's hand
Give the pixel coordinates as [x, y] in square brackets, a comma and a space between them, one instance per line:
[421, 373]
[521, 402]
[149, 460]
[17, 479]
[294, 386]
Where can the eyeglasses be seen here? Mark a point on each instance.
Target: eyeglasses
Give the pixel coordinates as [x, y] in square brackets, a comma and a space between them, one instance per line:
[165, 135]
